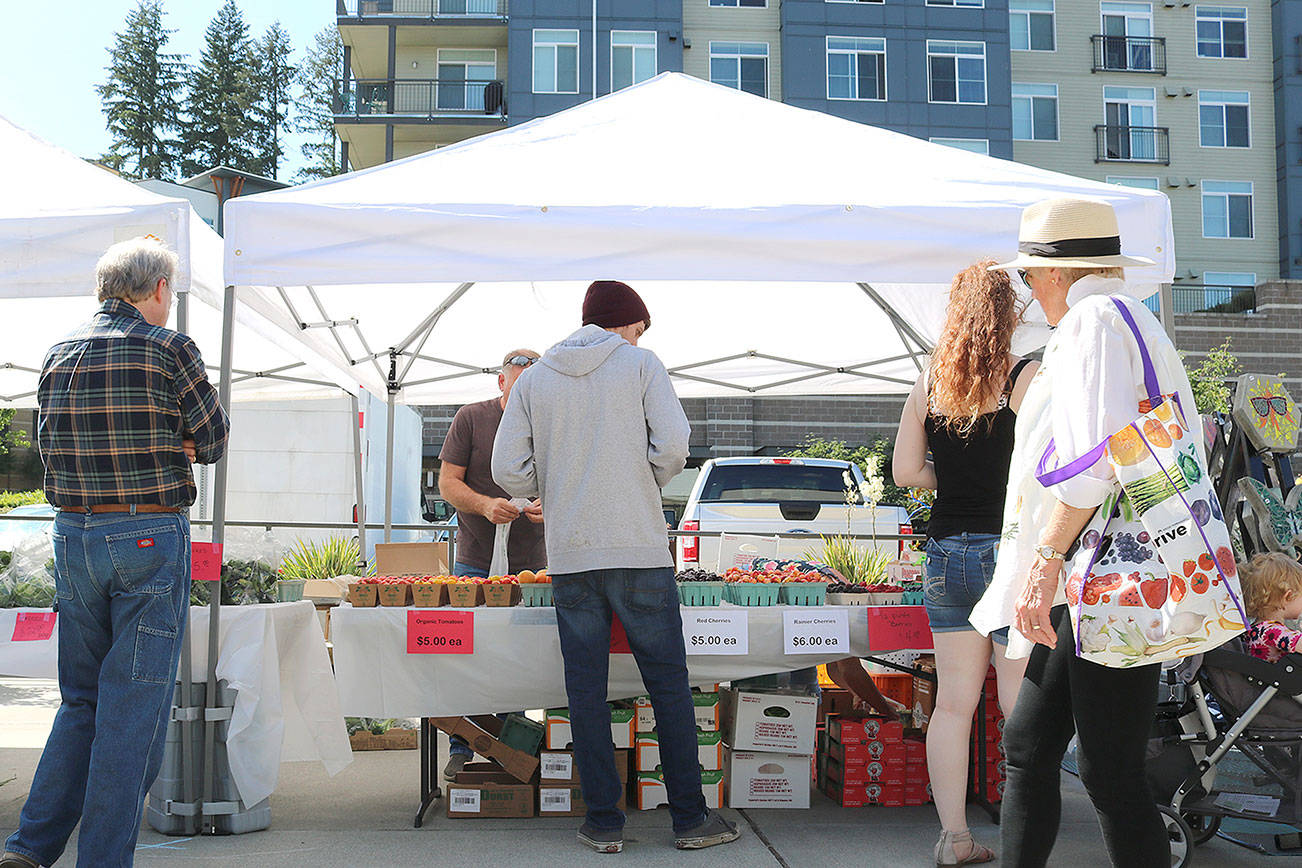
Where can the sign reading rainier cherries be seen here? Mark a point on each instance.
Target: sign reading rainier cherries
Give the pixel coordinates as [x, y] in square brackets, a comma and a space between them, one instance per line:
[812, 630]
[711, 631]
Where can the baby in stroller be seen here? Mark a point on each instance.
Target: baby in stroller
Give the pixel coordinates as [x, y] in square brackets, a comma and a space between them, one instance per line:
[1272, 588]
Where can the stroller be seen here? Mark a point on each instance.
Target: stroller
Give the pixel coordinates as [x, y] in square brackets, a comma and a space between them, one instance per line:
[1217, 701]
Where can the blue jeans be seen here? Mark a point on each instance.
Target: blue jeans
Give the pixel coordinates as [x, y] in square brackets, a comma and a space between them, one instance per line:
[123, 586]
[646, 601]
[959, 569]
[457, 744]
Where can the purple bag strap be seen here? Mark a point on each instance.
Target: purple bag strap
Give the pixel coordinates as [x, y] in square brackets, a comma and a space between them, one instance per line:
[1048, 476]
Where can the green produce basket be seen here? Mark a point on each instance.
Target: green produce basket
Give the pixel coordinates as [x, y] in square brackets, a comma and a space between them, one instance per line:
[748, 594]
[522, 734]
[289, 590]
[913, 598]
[701, 593]
[536, 595]
[803, 593]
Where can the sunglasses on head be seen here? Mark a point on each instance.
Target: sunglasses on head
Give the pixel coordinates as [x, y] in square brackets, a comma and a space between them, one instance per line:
[1026, 278]
[521, 361]
[1263, 406]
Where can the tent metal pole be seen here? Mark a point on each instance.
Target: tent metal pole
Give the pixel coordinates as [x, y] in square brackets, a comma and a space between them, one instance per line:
[900, 323]
[1166, 308]
[388, 471]
[188, 771]
[434, 316]
[218, 536]
[359, 482]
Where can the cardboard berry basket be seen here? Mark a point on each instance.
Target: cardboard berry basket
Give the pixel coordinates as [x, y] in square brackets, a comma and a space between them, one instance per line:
[394, 594]
[362, 595]
[429, 595]
[465, 595]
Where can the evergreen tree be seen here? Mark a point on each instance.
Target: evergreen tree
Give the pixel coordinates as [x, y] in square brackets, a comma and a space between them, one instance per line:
[273, 79]
[220, 125]
[140, 97]
[314, 110]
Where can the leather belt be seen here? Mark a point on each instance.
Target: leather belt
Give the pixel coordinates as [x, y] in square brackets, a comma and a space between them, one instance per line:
[122, 507]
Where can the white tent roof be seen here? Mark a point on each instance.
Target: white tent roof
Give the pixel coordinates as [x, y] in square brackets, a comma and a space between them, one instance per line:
[755, 230]
[58, 215]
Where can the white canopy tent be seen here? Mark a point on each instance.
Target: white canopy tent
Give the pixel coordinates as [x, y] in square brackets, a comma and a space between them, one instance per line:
[780, 251]
[57, 217]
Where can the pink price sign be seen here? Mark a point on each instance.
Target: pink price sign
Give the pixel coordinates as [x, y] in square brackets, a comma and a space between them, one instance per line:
[434, 632]
[34, 626]
[894, 628]
[205, 561]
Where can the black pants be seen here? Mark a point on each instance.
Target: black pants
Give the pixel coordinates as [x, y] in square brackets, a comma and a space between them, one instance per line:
[1111, 710]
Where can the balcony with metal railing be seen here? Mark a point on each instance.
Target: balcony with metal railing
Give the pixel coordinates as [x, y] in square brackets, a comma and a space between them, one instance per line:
[432, 99]
[1206, 298]
[433, 9]
[1129, 54]
[1118, 144]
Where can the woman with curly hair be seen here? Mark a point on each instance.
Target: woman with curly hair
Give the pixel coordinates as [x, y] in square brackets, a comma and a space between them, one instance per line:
[956, 437]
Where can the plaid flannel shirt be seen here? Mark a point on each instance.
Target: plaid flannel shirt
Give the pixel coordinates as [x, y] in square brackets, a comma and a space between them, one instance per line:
[116, 399]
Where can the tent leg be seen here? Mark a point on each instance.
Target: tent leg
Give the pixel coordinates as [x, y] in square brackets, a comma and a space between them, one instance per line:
[902, 326]
[359, 483]
[218, 536]
[186, 699]
[388, 473]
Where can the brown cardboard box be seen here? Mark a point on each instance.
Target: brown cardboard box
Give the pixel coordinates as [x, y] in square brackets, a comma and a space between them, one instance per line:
[924, 691]
[557, 767]
[519, 765]
[394, 739]
[498, 797]
[411, 559]
[566, 800]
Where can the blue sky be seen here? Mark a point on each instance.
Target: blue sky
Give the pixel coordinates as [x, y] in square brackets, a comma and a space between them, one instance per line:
[53, 54]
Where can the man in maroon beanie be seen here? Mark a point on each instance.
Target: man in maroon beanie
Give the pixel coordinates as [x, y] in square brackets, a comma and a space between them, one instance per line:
[595, 430]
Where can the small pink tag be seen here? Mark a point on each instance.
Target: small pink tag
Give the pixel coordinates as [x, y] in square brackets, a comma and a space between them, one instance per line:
[34, 626]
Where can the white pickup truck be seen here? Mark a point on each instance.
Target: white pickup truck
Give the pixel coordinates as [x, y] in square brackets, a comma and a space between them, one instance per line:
[766, 496]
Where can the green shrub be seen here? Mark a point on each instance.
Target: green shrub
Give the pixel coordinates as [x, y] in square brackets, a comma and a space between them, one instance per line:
[10, 499]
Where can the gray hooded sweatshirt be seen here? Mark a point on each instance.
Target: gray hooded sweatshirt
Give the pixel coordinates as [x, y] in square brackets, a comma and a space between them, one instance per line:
[594, 430]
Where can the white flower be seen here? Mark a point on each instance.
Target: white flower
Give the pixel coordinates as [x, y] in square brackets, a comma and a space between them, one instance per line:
[872, 490]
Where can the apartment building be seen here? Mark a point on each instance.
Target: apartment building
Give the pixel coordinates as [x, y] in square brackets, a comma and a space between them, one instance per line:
[1170, 95]
[1287, 28]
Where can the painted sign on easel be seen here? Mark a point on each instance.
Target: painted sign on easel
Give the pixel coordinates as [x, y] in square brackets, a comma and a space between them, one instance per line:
[1266, 412]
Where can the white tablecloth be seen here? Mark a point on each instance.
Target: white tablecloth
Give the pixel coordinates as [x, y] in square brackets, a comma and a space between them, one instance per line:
[287, 708]
[517, 662]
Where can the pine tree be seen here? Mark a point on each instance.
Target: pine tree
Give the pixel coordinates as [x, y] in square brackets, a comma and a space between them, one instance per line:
[140, 97]
[220, 124]
[273, 79]
[314, 110]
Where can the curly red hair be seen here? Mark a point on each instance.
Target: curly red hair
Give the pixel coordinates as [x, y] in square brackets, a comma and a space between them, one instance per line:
[970, 363]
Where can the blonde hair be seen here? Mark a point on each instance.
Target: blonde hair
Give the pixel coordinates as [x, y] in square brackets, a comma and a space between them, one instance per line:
[130, 270]
[1071, 275]
[1267, 580]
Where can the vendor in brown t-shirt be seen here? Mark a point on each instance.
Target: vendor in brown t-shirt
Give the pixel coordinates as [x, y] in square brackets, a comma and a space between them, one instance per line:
[466, 482]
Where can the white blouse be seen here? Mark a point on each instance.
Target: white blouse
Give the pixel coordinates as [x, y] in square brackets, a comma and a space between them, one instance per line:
[1088, 387]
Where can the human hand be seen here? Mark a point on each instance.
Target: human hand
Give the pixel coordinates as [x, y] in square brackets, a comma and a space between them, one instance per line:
[190, 451]
[499, 510]
[533, 512]
[1031, 617]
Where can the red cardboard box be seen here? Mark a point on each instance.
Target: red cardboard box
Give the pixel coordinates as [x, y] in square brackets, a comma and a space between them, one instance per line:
[846, 797]
[846, 730]
[848, 753]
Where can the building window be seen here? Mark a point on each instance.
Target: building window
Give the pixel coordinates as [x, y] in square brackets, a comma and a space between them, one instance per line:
[1030, 24]
[1222, 31]
[463, 77]
[878, 2]
[956, 71]
[1127, 36]
[1130, 116]
[1035, 112]
[856, 68]
[977, 3]
[976, 146]
[749, 4]
[1227, 209]
[632, 57]
[743, 65]
[556, 61]
[1137, 183]
[1223, 118]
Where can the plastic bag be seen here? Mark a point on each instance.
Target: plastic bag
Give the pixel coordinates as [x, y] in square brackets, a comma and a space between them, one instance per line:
[501, 564]
[28, 583]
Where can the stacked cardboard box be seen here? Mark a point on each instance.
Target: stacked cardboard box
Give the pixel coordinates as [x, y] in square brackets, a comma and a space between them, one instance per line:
[868, 761]
[770, 739]
[623, 719]
[485, 790]
[650, 779]
[559, 794]
[988, 766]
[924, 691]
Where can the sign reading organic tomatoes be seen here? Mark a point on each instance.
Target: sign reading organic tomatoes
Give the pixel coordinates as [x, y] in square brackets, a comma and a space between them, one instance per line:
[430, 631]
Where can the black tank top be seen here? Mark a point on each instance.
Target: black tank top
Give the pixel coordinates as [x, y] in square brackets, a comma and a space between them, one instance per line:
[972, 470]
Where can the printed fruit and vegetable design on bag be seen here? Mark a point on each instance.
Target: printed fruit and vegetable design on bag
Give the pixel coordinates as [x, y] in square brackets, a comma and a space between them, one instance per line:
[1163, 429]
[1139, 597]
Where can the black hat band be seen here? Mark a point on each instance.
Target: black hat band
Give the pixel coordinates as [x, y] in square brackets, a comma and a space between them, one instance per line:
[1073, 247]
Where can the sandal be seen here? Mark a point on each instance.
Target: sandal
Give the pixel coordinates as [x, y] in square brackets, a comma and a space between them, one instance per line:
[947, 853]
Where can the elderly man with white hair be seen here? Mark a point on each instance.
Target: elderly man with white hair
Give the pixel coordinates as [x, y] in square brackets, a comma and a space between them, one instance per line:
[125, 407]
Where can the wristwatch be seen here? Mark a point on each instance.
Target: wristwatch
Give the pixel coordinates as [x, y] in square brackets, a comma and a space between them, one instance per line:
[1049, 553]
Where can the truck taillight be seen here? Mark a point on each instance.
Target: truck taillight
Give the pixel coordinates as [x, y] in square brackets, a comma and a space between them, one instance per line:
[905, 530]
[691, 544]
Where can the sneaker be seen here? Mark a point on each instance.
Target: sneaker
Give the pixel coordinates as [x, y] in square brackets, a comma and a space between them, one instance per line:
[602, 840]
[714, 829]
[455, 763]
[17, 860]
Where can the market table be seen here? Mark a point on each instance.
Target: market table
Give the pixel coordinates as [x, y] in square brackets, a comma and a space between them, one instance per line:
[274, 655]
[516, 660]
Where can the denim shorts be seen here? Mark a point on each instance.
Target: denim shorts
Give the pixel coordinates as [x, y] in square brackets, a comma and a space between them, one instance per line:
[959, 569]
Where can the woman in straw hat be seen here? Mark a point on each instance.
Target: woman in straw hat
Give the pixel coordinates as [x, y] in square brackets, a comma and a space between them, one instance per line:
[1089, 386]
[956, 437]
